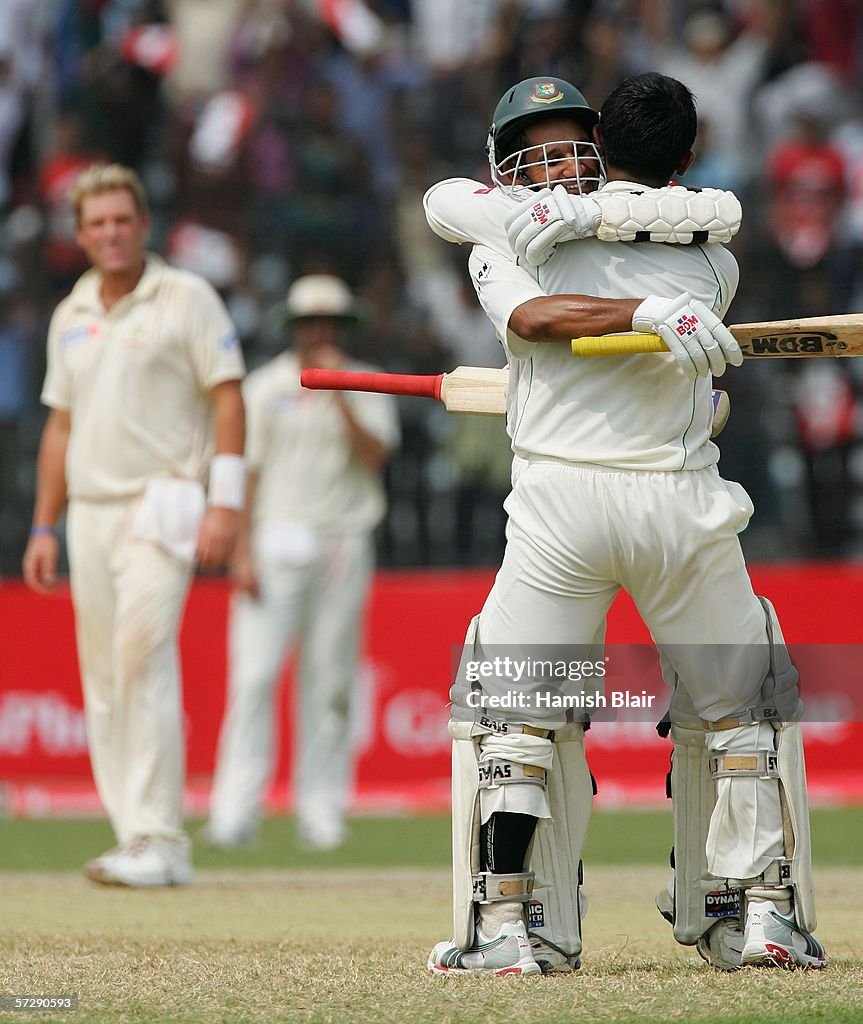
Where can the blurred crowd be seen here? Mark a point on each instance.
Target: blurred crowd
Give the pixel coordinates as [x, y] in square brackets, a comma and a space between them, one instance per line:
[284, 137]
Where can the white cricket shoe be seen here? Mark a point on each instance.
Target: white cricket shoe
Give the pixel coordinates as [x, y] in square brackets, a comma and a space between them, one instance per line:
[96, 867]
[551, 960]
[220, 838]
[774, 940]
[323, 834]
[508, 952]
[722, 945]
[145, 862]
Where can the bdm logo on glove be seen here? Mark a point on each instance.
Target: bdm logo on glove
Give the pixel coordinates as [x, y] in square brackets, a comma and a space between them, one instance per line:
[687, 325]
[540, 213]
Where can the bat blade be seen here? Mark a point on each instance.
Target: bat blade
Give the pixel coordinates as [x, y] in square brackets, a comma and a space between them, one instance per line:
[476, 390]
[808, 337]
[480, 390]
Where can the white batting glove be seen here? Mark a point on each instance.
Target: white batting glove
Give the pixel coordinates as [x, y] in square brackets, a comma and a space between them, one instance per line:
[548, 217]
[695, 336]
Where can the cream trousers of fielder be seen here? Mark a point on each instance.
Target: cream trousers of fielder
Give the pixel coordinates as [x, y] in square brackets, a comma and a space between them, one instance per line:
[319, 607]
[128, 596]
[579, 533]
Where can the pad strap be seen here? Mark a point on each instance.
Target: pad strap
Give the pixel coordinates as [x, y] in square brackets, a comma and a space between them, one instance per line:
[759, 764]
[496, 772]
[491, 888]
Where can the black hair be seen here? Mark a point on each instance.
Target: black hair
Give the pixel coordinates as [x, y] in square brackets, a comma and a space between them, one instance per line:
[648, 125]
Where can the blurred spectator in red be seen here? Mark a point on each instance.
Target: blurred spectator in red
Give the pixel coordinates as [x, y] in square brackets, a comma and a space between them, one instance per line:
[834, 34]
[827, 417]
[805, 180]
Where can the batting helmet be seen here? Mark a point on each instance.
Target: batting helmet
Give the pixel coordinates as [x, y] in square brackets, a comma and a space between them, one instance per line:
[530, 101]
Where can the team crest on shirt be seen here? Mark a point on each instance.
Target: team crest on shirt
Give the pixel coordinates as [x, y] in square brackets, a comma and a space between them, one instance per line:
[546, 92]
[136, 338]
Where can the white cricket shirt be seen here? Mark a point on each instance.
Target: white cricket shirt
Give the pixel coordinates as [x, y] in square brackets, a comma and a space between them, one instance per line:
[136, 379]
[622, 411]
[298, 444]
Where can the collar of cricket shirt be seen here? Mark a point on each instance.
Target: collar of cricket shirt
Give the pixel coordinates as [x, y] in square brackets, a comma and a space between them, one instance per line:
[85, 294]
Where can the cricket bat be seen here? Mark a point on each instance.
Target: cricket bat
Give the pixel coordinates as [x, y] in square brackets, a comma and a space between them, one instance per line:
[811, 337]
[480, 390]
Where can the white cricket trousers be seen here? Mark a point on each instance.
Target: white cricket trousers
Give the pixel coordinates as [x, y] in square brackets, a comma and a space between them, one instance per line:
[318, 607]
[128, 596]
[578, 533]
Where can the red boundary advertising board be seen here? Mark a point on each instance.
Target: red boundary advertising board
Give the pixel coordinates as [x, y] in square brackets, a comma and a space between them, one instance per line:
[415, 620]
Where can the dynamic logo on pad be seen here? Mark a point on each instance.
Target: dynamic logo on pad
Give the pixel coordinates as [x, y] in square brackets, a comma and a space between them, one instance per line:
[535, 914]
[722, 903]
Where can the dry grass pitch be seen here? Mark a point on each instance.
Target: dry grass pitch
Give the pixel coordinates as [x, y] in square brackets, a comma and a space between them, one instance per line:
[344, 946]
[278, 934]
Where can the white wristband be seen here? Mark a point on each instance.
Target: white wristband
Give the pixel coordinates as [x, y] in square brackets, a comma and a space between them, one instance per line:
[227, 482]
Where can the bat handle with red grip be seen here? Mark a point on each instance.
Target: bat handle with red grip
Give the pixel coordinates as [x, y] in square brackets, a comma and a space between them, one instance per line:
[421, 385]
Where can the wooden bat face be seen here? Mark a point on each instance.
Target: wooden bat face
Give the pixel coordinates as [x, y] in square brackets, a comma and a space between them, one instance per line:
[809, 337]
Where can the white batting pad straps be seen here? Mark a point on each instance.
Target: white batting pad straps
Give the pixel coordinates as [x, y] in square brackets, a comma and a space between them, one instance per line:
[671, 214]
[227, 482]
[521, 748]
[492, 888]
[746, 828]
[760, 764]
[494, 773]
[512, 774]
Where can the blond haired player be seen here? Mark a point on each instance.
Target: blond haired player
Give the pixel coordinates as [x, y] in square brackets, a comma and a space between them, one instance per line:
[615, 485]
[302, 572]
[143, 386]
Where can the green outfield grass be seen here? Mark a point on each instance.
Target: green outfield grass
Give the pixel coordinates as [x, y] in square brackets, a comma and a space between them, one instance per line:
[342, 938]
[616, 837]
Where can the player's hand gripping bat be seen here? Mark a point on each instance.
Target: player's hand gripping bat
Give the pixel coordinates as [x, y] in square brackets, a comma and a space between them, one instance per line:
[812, 337]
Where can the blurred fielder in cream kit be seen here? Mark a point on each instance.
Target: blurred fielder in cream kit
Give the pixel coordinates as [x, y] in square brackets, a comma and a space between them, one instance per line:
[143, 387]
[615, 485]
[301, 572]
